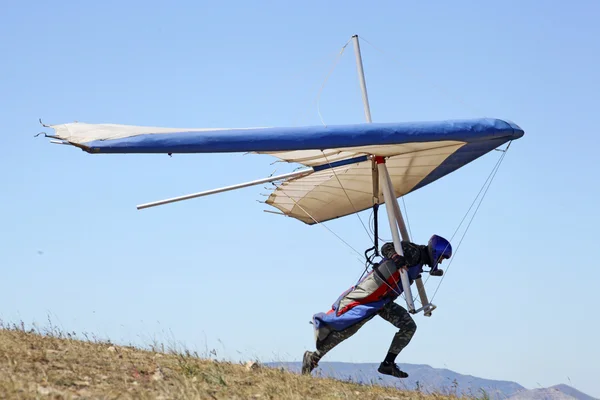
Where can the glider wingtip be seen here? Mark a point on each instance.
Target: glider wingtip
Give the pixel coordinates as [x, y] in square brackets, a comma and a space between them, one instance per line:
[517, 131]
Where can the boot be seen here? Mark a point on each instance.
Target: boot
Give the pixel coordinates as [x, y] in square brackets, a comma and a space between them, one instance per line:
[389, 368]
[308, 362]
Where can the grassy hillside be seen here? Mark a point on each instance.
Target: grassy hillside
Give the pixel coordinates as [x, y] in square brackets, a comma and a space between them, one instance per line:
[57, 365]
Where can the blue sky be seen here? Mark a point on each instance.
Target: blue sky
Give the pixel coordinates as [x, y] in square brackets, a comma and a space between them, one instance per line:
[519, 301]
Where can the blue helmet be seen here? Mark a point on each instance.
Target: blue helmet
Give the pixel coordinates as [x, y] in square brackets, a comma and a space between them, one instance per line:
[438, 249]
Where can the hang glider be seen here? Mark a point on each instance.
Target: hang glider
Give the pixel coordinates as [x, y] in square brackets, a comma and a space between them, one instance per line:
[348, 168]
[338, 157]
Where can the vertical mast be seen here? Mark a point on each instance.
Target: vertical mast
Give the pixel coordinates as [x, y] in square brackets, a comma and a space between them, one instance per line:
[361, 78]
[365, 98]
[391, 202]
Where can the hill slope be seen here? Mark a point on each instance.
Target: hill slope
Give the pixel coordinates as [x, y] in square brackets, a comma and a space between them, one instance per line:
[60, 366]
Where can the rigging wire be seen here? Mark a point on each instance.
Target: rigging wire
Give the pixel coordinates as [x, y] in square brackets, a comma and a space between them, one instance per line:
[406, 215]
[336, 235]
[484, 188]
[347, 195]
[303, 73]
[474, 213]
[337, 59]
[490, 176]
[317, 222]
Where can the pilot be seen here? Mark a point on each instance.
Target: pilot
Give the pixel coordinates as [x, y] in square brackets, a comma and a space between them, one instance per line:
[375, 295]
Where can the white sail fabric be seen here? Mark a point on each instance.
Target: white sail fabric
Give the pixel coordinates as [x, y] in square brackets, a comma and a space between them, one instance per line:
[339, 191]
[80, 132]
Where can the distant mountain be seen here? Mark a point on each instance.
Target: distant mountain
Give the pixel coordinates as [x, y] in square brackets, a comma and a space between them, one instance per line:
[573, 392]
[542, 394]
[439, 380]
[557, 392]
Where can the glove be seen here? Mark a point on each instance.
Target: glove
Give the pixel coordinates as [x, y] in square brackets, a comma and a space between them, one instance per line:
[388, 251]
[399, 260]
[412, 253]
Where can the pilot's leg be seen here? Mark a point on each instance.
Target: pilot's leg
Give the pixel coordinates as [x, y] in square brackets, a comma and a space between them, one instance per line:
[311, 358]
[401, 319]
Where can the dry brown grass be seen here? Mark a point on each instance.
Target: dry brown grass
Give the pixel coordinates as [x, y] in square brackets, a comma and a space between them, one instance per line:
[55, 365]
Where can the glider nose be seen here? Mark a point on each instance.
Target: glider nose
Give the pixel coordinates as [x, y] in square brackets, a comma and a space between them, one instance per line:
[517, 130]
